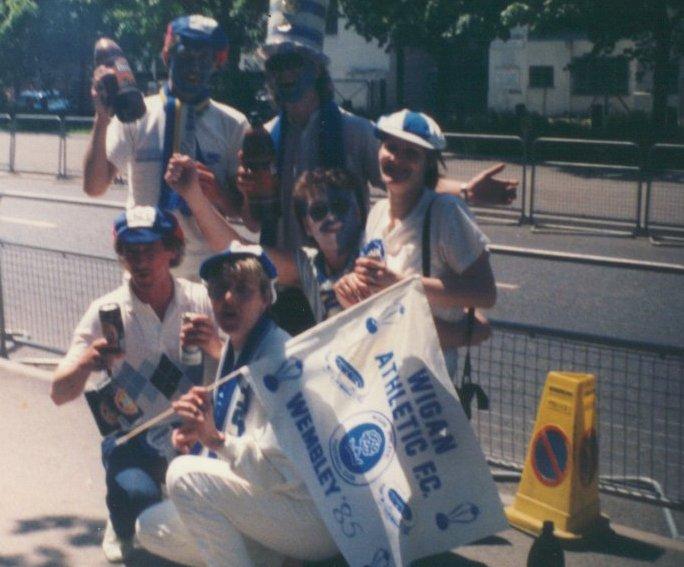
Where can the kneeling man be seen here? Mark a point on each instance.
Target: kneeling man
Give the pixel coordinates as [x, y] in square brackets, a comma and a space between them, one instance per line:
[248, 506]
[149, 242]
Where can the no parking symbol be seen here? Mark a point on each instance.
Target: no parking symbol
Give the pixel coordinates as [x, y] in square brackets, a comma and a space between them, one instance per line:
[550, 455]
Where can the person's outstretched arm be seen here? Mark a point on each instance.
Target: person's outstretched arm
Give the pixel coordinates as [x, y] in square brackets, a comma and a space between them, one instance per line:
[483, 189]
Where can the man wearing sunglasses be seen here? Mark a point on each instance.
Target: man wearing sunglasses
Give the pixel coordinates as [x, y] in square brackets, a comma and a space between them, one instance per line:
[182, 117]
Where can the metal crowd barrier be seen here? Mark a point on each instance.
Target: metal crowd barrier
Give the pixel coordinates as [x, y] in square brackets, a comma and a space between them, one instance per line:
[6, 141]
[29, 157]
[595, 183]
[46, 292]
[664, 198]
[602, 184]
[43, 294]
[640, 398]
[469, 154]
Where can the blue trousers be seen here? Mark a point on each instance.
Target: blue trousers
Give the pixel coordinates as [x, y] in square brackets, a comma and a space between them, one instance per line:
[134, 475]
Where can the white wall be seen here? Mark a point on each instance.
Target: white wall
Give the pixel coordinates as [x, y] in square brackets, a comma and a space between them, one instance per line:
[509, 63]
[351, 55]
[353, 62]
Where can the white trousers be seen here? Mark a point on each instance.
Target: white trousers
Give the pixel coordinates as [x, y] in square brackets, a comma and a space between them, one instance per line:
[161, 531]
[239, 523]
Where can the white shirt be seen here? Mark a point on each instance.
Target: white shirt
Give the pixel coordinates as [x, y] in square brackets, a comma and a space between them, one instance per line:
[146, 336]
[138, 147]
[455, 243]
[256, 454]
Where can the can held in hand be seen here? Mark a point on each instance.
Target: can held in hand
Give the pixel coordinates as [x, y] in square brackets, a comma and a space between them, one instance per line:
[112, 327]
[190, 355]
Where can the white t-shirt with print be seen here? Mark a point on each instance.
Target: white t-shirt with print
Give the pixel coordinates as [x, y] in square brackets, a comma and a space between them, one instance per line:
[455, 243]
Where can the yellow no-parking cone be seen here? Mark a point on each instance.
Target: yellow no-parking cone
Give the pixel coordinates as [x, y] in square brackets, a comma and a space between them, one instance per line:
[560, 479]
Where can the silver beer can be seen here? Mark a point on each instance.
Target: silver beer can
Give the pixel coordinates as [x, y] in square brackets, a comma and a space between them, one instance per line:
[190, 355]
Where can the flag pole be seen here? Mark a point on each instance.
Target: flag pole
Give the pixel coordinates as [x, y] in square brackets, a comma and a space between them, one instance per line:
[169, 412]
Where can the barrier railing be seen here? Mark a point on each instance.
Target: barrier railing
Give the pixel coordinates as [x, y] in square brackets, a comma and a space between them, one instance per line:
[74, 144]
[578, 182]
[640, 397]
[46, 292]
[43, 294]
[586, 181]
[664, 192]
[31, 158]
[469, 154]
[6, 141]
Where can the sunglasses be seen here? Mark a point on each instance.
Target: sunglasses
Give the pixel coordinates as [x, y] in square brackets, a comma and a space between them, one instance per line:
[320, 209]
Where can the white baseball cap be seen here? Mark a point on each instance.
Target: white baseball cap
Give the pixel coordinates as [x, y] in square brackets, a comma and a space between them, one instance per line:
[414, 127]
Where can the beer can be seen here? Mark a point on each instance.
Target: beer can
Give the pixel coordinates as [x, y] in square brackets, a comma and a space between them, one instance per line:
[190, 355]
[112, 327]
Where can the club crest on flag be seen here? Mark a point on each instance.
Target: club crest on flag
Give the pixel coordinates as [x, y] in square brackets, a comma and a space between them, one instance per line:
[362, 447]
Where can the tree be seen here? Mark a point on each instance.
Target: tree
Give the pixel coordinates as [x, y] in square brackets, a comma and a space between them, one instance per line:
[655, 26]
[140, 25]
[40, 41]
[438, 27]
[18, 17]
[47, 42]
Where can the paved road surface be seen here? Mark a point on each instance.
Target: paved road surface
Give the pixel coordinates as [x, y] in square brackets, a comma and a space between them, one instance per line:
[614, 302]
[53, 511]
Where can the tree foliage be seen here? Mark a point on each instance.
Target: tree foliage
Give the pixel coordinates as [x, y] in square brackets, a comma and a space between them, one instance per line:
[43, 41]
[431, 25]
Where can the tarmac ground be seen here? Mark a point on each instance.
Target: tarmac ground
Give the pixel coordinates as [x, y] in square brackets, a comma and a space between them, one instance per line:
[53, 511]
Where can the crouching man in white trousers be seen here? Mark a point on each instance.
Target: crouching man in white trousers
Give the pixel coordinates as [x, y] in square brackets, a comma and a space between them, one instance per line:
[247, 505]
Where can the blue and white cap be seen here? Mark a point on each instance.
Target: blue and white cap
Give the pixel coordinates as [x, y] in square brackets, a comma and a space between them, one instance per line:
[198, 31]
[296, 25]
[214, 264]
[144, 225]
[414, 127]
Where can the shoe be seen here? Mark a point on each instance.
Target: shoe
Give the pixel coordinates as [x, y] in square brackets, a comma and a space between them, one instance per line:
[115, 550]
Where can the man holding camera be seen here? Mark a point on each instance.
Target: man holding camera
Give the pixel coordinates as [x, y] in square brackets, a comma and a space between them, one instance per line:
[181, 118]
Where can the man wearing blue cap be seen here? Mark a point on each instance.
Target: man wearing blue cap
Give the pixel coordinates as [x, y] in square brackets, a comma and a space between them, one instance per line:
[148, 242]
[181, 118]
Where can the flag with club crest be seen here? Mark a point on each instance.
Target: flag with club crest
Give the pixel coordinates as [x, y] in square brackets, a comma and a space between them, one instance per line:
[363, 405]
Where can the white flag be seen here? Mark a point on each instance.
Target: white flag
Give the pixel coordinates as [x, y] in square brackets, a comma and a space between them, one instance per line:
[363, 405]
